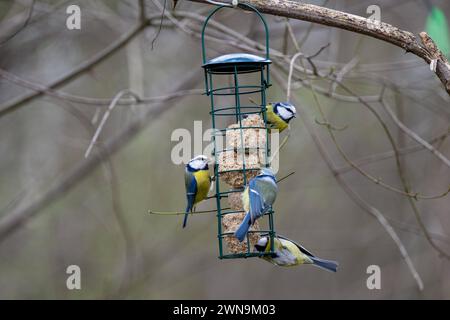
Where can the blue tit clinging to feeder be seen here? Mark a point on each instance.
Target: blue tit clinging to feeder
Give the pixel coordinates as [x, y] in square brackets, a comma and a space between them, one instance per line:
[257, 200]
[279, 114]
[198, 183]
[288, 254]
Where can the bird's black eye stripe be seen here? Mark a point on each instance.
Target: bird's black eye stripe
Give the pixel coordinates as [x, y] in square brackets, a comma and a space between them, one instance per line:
[259, 248]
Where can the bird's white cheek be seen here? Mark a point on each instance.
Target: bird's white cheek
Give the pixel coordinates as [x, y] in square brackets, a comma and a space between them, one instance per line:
[284, 113]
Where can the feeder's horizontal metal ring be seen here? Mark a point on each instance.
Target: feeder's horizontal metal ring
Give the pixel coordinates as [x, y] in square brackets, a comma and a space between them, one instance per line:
[234, 94]
[219, 111]
[236, 149]
[225, 69]
[239, 128]
[216, 110]
[240, 149]
[240, 170]
[229, 212]
[232, 191]
[235, 114]
[227, 234]
[241, 211]
[225, 194]
[234, 88]
[230, 91]
[242, 71]
[246, 255]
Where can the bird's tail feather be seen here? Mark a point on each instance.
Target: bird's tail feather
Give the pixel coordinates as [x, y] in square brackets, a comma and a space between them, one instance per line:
[241, 232]
[325, 264]
[188, 210]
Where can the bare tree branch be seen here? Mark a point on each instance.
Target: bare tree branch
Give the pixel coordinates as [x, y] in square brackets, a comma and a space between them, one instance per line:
[350, 192]
[414, 135]
[389, 154]
[106, 115]
[12, 221]
[87, 100]
[23, 26]
[72, 74]
[334, 18]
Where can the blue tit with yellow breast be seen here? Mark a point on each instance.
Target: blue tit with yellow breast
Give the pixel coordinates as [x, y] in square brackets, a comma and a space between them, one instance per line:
[257, 199]
[279, 114]
[289, 253]
[198, 183]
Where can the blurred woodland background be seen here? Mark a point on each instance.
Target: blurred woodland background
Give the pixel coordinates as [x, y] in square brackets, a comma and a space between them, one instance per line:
[346, 200]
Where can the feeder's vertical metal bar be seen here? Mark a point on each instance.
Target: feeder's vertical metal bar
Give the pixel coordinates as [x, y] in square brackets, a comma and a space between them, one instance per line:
[216, 164]
[248, 244]
[207, 89]
[264, 103]
[238, 112]
[271, 233]
[264, 114]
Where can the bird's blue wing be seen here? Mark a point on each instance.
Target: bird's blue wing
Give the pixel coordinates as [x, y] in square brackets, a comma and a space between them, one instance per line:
[191, 190]
[256, 200]
[300, 247]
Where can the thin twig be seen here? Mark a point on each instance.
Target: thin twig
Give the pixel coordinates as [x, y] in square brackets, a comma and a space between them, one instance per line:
[351, 193]
[160, 25]
[334, 18]
[117, 97]
[292, 36]
[414, 135]
[19, 216]
[401, 173]
[89, 100]
[364, 173]
[285, 177]
[389, 154]
[128, 271]
[291, 71]
[23, 26]
[101, 55]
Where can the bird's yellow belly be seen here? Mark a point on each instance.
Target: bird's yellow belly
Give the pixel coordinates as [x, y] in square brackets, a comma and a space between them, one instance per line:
[203, 185]
[275, 122]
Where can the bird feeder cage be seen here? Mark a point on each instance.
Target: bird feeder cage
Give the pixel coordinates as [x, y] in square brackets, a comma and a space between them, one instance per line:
[236, 85]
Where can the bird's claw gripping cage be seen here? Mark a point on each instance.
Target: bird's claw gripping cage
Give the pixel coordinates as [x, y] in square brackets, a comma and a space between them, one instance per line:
[227, 101]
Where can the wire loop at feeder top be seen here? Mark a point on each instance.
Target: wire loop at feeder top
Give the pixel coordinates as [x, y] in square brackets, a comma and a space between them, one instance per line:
[240, 62]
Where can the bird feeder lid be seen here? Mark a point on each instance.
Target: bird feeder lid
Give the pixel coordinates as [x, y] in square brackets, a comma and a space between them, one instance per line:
[241, 62]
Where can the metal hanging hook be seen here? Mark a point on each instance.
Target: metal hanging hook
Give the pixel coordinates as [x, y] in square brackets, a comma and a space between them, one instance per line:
[233, 3]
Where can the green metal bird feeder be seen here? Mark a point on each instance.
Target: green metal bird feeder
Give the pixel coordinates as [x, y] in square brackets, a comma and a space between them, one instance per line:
[234, 82]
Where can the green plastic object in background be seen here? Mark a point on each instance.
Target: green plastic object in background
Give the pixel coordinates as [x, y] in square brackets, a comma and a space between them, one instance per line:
[437, 28]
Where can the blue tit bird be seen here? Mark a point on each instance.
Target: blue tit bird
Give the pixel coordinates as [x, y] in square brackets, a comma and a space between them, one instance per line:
[279, 114]
[288, 254]
[198, 183]
[257, 200]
